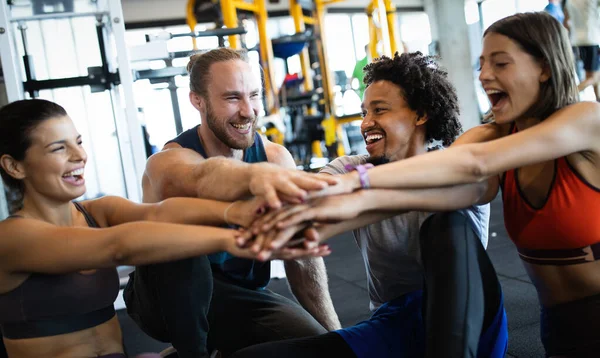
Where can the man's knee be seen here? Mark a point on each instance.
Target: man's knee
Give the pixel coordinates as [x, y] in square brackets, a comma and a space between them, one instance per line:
[304, 325]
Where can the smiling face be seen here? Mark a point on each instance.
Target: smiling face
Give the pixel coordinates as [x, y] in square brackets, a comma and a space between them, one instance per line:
[54, 163]
[391, 129]
[510, 77]
[232, 104]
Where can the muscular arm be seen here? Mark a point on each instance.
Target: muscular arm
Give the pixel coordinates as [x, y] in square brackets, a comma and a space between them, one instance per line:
[182, 172]
[177, 171]
[307, 277]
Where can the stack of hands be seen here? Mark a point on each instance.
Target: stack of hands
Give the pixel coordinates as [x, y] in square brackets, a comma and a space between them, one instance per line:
[290, 213]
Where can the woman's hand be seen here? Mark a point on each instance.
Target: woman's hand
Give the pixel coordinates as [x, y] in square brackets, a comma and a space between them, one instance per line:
[245, 212]
[243, 246]
[329, 209]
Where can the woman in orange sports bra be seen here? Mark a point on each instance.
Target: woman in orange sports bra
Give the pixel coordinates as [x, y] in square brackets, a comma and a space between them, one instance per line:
[543, 150]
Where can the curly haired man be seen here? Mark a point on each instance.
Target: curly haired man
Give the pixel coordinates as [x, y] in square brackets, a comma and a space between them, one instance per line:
[432, 287]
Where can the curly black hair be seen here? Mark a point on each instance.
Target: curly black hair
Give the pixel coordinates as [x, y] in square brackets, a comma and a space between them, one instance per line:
[425, 88]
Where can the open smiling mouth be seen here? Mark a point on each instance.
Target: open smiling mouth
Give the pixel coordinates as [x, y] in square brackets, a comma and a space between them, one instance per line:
[74, 177]
[373, 137]
[497, 98]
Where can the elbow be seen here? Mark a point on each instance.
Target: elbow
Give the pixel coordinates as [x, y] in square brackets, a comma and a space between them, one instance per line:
[477, 168]
[119, 250]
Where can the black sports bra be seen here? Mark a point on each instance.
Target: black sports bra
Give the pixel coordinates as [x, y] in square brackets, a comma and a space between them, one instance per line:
[47, 305]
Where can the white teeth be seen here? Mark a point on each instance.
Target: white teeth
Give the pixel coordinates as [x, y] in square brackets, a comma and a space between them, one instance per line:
[241, 126]
[493, 91]
[373, 137]
[74, 173]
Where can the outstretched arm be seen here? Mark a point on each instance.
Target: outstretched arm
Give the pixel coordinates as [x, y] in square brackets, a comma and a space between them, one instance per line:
[176, 171]
[573, 129]
[30, 245]
[113, 210]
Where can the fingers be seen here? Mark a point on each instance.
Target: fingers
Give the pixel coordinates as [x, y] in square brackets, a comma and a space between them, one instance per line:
[265, 220]
[329, 179]
[281, 237]
[297, 217]
[270, 195]
[242, 238]
[283, 215]
[291, 254]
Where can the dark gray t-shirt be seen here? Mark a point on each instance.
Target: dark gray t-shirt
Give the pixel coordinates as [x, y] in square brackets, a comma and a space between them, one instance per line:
[390, 248]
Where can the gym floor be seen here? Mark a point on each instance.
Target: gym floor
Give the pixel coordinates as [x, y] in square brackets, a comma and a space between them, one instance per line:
[348, 288]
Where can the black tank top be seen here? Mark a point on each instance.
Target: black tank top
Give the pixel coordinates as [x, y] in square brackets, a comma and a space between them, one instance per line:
[244, 272]
[47, 305]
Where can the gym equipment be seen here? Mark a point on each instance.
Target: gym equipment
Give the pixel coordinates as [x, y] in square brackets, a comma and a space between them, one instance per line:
[112, 76]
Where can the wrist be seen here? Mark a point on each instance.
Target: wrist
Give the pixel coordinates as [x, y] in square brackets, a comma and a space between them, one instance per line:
[359, 177]
[365, 201]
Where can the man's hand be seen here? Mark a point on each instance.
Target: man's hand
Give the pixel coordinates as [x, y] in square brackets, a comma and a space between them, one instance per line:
[328, 209]
[347, 183]
[276, 184]
[240, 247]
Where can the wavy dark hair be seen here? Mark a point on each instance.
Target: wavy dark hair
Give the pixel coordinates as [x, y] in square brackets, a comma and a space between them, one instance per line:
[425, 88]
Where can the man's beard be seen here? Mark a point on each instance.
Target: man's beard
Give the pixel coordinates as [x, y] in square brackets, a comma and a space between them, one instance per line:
[379, 160]
[217, 126]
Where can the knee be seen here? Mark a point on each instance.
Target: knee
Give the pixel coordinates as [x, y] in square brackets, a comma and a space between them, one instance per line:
[443, 232]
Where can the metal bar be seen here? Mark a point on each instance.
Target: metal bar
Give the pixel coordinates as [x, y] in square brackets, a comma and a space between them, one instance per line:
[126, 111]
[175, 104]
[266, 55]
[230, 20]
[240, 30]
[390, 10]
[166, 72]
[308, 20]
[296, 12]
[242, 5]
[62, 15]
[10, 56]
[38, 85]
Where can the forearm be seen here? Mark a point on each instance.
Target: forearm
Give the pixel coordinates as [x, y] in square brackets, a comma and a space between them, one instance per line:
[214, 178]
[433, 199]
[458, 165]
[379, 204]
[328, 231]
[141, 243]
[308, 282]
[191, 211]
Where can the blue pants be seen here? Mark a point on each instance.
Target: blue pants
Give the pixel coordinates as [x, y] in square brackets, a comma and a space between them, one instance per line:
[397, 329]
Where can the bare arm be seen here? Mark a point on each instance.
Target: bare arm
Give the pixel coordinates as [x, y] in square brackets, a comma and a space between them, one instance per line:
[177, 171]
[308, 277]
[116, 210]
[30, 245]
[354, 208]
[182, 172]
[570, 130]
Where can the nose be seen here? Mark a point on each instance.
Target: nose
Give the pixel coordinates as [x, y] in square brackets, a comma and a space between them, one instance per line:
[367, 122]
[485, 74]
[78, 154]
[246, 109]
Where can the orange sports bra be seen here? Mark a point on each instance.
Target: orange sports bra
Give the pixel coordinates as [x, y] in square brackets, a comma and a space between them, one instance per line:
[565, 230]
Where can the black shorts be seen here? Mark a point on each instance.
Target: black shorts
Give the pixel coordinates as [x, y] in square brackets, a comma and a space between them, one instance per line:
[571, 329]
[589, 56]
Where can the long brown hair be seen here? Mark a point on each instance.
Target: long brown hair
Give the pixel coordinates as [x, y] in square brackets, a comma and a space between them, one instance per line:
[543, 37]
